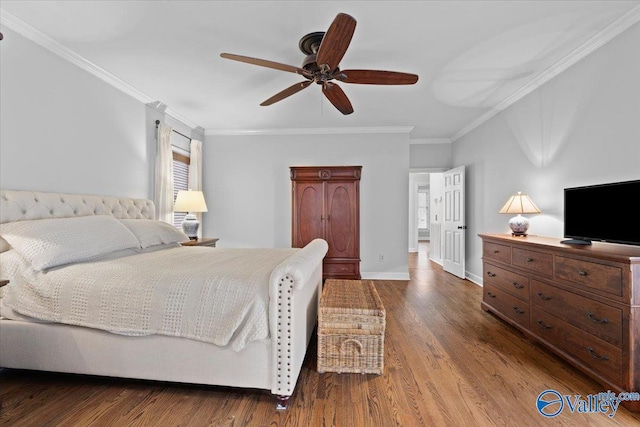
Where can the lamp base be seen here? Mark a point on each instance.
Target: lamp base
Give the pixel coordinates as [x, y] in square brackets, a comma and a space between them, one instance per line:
[190, 226]
[519, 225]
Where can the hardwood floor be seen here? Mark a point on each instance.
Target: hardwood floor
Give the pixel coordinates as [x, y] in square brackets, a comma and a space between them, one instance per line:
[447, 363]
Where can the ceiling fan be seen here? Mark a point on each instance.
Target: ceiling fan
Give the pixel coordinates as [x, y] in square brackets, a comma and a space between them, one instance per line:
[324, 51]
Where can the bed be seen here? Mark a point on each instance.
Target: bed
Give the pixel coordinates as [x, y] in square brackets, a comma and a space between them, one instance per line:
[115, 306]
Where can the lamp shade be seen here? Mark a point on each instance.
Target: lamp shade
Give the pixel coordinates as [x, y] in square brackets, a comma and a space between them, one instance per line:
[519, 204]
[190, 201]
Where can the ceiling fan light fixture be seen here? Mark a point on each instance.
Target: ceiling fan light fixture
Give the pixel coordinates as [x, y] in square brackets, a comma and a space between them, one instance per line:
[324, 51]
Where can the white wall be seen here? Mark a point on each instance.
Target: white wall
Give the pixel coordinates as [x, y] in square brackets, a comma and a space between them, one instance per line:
[580, 128]
[64, 130]
[431, 156]
[248, 191]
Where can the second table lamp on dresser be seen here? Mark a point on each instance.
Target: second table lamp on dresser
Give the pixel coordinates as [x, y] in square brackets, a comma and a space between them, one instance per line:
[519, 204]
[192, 202]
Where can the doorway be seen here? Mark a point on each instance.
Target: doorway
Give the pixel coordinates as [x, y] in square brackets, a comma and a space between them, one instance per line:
[426, 213]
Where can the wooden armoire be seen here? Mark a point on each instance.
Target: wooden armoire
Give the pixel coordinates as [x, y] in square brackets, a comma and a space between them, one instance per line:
[326, 204]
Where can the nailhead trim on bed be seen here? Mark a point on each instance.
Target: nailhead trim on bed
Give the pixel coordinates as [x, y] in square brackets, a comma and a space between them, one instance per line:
[283, 340]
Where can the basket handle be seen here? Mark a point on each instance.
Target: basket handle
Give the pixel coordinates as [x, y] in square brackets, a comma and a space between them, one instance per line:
[356, 342]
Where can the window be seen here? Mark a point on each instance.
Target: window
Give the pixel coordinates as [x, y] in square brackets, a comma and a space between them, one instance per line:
[180, 182]
[423, 209]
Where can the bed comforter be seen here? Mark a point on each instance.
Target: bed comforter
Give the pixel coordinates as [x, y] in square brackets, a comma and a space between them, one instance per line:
[216, 295]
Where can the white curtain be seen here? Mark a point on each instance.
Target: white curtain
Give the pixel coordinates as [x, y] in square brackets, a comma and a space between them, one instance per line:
[195, 173]
[163, 196]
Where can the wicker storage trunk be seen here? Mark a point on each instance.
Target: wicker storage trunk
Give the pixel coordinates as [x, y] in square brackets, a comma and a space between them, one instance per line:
[351, 325]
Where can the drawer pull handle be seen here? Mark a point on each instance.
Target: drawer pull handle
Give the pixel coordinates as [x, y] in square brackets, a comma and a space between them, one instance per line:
[543, 297]
[491, 295]
[518, 310]
[490, 274]
[496, 251]
[517, 285]
[596, 356]
[595, 319]
[542, 325]
[582, 273]
[529, 259]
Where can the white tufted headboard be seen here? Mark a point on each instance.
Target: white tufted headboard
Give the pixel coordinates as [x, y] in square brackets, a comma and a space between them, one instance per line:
[27, 205]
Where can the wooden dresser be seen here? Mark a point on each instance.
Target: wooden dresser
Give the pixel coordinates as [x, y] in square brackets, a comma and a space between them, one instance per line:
[326, 204]
[582, 302]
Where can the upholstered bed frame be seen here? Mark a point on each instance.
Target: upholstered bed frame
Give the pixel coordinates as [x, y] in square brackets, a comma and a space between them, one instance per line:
[273, 364]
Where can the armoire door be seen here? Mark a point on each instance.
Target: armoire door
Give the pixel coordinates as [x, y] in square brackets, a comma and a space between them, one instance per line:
[308, 213]
[342, 220]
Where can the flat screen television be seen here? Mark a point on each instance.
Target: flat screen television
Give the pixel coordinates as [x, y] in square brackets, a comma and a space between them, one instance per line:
[605, 212]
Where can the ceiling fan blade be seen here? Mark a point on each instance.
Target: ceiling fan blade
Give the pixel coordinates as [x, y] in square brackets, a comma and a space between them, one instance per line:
[376, 77]
[265, 63]
[286, 93]
[336, 41]
[337, 97]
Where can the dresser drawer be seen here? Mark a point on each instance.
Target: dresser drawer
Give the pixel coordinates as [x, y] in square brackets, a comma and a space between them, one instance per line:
[510, 282]
[596, 354]
[506, 304]
[495, 251]
[537, 262]
[601, 320]
[606, 279]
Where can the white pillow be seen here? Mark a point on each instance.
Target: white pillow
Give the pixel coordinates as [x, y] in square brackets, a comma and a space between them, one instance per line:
[48, 243]
[151, 232]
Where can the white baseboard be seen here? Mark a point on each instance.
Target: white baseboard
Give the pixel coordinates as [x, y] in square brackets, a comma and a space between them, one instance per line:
[384, 275]
[474, 278]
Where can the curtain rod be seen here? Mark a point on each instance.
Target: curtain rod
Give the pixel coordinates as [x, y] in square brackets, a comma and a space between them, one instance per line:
[173, 130]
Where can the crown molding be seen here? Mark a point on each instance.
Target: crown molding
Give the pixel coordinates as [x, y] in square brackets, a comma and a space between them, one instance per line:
[423, 141]
[602, 37]
[16, 24]
[310, 131]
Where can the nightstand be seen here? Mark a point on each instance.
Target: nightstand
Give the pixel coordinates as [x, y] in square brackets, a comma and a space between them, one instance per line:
[205, 241]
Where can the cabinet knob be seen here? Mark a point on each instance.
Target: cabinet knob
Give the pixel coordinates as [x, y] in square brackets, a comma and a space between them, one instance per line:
[529, 259]
[582, 273]
[594, 319]
[517, 285]
[518, 310]
[542, 325]
[595, 355]
[491, 295]
[543, 297]
[490, 274]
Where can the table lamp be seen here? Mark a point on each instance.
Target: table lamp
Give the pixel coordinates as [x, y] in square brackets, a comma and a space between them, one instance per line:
[191, 202]
[519, 204]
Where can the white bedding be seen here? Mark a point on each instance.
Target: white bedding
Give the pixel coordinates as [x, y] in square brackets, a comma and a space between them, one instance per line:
[214, 295]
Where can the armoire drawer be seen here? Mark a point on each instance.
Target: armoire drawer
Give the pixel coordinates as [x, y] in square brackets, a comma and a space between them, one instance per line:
[593, 352]
[536, 262]
[510, 282]
[606, 279]
[506, 304]
[498, 252]
[341, 269]
[601, 320]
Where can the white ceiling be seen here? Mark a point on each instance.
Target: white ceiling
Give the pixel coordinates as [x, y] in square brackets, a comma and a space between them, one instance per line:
[473, 58]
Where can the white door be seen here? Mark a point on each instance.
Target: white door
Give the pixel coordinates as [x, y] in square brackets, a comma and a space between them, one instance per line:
[454, 228]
